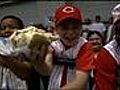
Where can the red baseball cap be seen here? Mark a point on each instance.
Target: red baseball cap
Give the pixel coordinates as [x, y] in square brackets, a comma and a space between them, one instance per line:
[66, 12]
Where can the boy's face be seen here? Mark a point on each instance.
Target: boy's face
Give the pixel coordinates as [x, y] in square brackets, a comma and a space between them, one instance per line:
[8, 26]
[69, 31]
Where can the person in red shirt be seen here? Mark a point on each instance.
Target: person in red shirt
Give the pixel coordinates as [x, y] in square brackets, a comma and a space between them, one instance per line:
[70, 57]
[107, 71]
[97, 40]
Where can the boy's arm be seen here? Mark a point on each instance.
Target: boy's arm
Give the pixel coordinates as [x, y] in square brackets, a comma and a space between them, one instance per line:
[17, 65]
[44, 67]
[84, 65]
[43, 64]
[79, 83]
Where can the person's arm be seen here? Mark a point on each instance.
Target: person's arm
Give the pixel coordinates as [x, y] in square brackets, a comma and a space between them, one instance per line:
[17, 65]
[43, 63]
[105, 71]
[44, 67]
[79, 83]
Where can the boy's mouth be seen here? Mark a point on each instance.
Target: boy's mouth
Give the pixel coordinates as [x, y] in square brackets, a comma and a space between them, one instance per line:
[6, 34]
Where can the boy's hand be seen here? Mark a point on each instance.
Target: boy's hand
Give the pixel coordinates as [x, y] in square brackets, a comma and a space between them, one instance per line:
[37, 58]
[2, 62]
[38, 54]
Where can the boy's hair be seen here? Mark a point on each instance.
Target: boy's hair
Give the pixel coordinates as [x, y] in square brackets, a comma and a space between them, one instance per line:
[65, 12]
[18, 20]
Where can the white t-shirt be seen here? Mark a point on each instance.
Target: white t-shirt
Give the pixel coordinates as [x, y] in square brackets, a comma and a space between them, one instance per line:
[8, 80]
[100, 27]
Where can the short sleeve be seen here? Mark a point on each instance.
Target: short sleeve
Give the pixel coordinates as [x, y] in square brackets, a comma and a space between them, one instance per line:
[85, 58]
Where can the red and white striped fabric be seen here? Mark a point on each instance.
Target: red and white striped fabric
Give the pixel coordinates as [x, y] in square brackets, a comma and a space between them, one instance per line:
[57, 73]
[113, 49]
[8, 80]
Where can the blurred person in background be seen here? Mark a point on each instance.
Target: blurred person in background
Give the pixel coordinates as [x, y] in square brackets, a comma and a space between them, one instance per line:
[85, 27]
[97, 25]
[107, 70]
[97, 40]
[109, 32]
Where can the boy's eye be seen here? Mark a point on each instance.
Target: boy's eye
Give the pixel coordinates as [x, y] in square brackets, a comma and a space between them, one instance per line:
[10, 27]
[72, 27]
[92, 39]
[3, 28]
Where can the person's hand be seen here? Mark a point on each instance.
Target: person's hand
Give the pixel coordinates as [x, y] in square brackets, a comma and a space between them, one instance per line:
[37, 55]
[2, 62]
[7, 60]
[37, 59]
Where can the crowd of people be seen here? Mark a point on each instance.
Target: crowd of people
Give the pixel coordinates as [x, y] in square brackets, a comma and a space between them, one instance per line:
[84, 57]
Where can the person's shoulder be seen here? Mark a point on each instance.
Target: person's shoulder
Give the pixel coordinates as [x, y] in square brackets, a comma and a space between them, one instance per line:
[87, 45]
[104, 53]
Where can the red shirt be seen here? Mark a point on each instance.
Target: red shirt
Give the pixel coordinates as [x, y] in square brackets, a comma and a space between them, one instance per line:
[84, 61]
[105, 71]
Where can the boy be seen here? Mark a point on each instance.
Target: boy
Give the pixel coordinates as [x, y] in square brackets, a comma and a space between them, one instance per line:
[8, 64]
[69, 59]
